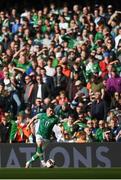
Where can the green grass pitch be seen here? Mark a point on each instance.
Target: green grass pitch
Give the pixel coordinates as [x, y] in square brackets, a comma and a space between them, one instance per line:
[60, 173]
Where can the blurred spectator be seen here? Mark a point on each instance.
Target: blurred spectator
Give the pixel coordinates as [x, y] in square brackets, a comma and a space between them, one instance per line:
[100, 131]
[40, 89]
[5, 128]
[19, 133]
[37, 107]
[98, 108]
[28, 90]
[81, 137]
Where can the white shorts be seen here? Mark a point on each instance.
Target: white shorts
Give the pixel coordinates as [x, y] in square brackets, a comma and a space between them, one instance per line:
[39, 138]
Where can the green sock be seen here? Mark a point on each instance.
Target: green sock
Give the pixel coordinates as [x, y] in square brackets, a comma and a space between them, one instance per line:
[40, 151]
[34, 157]
[43, 149]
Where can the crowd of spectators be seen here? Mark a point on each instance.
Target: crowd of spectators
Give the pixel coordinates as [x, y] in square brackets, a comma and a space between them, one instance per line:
[70, 58]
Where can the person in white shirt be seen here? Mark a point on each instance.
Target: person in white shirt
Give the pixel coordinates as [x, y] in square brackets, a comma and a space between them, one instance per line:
[118, 38]
[50, 71]
[63, 24]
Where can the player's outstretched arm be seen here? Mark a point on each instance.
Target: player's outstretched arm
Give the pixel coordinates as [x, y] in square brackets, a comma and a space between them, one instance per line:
[31, 121]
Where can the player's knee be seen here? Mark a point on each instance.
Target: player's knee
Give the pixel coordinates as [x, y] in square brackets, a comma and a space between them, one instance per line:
[38, 154]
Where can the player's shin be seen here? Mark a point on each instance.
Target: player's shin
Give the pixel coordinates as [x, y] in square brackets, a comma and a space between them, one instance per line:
[40, 152]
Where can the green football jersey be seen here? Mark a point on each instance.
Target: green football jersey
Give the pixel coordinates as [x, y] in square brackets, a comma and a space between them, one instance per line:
[46, 125]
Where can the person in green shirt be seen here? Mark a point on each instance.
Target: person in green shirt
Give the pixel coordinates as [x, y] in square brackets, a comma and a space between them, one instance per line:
[44, 128]
[69, 37]
[99, 132]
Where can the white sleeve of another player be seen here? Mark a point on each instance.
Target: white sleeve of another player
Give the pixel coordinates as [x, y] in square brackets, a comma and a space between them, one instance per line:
[58, 134]
[36, 126]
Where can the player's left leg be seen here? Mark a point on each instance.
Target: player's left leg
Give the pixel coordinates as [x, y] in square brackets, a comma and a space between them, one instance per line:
[50, 163]
[44, 145]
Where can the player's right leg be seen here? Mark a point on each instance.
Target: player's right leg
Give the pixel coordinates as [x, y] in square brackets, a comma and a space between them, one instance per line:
[38, 154]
